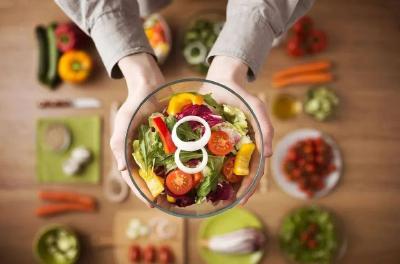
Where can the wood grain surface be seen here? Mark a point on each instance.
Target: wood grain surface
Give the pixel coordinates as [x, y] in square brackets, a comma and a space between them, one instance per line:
[364, 43]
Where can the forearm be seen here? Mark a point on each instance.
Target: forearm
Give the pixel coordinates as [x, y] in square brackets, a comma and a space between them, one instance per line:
[251, 26]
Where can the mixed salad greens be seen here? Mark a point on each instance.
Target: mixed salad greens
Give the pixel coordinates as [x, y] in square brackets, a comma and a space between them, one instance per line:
[195, 150]
[308, 235]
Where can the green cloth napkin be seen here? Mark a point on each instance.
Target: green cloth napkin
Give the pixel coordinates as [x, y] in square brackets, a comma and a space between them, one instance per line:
[85, 131]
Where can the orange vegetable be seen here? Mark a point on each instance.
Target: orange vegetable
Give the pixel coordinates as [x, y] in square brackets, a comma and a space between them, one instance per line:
[310, 78]
[70, 197]
[53, 209]
[312, 67]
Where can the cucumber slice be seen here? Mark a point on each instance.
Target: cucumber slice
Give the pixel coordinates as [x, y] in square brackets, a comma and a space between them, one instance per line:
[195, 53]
[63, 243]
[210, 41]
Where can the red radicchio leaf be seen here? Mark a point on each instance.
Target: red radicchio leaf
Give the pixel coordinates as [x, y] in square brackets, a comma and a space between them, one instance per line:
[202, 111]
[224, 191]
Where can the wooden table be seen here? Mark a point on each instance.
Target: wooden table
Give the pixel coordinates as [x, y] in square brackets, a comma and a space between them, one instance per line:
[365, 46]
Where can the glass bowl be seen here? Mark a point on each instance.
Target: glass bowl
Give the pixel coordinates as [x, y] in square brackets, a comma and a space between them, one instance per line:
[157, 102]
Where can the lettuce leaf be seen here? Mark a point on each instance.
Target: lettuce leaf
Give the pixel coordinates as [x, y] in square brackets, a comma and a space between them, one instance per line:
[236, 117]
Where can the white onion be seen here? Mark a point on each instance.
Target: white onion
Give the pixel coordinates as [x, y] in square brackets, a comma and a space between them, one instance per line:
[196, 169]
[191, 145]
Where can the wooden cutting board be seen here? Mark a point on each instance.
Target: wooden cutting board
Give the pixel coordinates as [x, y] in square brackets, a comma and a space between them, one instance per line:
[122, 242]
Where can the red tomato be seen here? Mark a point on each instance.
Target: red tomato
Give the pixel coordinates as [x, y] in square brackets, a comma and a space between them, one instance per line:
[303, 25]
[149, 254]
[179, 182]
[227, 170]
[295, 47]
[197, 178]
[134, 254]
[165, 255]
[318, 41]
[220, 143]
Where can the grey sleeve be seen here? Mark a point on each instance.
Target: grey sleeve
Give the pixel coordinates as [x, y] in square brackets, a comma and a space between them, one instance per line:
[251, 26]
[114, 25]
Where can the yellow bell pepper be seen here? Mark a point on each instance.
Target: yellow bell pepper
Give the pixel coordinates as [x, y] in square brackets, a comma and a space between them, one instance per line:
[75, 66]
[242, 159]
[171, 199]
[153, 182]
[178, 101]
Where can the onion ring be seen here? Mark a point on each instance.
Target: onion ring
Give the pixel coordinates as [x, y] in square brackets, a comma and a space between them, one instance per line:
[188, 170]
[191, 145]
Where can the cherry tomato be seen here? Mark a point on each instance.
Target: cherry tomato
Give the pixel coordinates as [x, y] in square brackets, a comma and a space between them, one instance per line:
[179, 182]
[227, 170]
[220, 143]
[134, 254]
[295, 47]
[197, 178]
[149, 254]
[318, 41]
[165, 255]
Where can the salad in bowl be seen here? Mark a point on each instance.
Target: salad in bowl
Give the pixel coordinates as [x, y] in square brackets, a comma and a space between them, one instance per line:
[191, 154]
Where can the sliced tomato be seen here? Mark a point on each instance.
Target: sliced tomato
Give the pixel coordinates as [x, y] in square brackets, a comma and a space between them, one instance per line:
[220, 143]
[197, 178]
[227, 170]
[179, 182]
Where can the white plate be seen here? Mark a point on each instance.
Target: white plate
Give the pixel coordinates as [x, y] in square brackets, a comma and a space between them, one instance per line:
[280, 152]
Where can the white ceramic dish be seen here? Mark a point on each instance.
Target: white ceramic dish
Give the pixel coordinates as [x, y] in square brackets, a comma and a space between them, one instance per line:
[282, 148]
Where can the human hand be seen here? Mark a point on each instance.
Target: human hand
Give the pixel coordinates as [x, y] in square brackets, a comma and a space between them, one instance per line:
[232, 72]
[142, 76]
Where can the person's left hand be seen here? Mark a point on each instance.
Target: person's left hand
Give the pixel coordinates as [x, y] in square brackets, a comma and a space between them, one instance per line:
[232, 72]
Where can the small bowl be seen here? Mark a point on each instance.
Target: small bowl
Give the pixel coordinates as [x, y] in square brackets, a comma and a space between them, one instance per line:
[41, 250]
[156, 101]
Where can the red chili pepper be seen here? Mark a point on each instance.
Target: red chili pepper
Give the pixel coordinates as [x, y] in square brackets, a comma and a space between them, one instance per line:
[165, 135]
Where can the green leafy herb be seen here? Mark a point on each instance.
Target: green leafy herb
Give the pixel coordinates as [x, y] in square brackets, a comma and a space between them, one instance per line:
[211, 102]
[169, 161]
[211, 176]
[184, 131]
[149, 146]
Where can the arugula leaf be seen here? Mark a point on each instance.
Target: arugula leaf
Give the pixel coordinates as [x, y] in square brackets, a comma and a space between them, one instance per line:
[169, 161]
[184, 131]
[211, 176]
[211, 102]
[150, 146]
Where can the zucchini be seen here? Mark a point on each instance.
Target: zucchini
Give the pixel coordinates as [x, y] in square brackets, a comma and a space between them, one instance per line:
[52, 78]
[43, 60]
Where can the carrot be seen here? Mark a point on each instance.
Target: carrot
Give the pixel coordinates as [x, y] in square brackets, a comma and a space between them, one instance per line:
[53, 209]
[57, 196]
[311, 67]
[311, 78]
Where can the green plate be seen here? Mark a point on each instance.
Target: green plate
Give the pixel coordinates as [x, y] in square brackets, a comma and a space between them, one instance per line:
[226, 222]
[85, 131]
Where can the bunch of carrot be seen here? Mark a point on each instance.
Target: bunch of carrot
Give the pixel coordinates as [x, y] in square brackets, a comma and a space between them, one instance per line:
[317, 72]
[63, 202]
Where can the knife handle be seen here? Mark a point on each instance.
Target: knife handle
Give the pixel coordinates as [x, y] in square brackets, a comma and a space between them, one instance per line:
[54, 104]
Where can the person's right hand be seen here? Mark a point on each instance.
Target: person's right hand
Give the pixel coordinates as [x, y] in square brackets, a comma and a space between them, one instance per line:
[142, 76]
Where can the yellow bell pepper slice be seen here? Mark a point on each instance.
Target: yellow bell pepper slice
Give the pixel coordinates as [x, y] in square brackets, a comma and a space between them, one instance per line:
[75, 66]
[153, 182]
[178, 101]
[242, 159]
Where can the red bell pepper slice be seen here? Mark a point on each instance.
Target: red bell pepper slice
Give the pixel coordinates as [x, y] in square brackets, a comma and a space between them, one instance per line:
[165, 135]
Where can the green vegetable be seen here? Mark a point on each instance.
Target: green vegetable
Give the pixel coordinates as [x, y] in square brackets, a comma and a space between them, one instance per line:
[211, 175]
[195, 52]
[321, 103]
[293, 229]
[169, 162]
[184, 131]
[52, 78]
[148, 148]
[236, 117]
[43, 60]
[211, 102]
